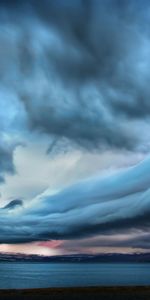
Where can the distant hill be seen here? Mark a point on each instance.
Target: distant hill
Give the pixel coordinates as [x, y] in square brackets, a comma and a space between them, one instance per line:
[103, 258]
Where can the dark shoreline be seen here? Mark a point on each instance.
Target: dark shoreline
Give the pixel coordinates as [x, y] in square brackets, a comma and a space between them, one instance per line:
[89, 293]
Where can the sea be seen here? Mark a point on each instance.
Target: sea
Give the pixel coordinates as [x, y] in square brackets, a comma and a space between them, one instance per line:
[43, 275]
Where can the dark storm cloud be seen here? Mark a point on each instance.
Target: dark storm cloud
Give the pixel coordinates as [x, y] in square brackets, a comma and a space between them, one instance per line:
[99, 60]
[13, 204]
[81, 69]
[6, 159]
[99, 205]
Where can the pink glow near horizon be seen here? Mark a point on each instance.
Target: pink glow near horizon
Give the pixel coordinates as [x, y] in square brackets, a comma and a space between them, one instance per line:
[30, 248]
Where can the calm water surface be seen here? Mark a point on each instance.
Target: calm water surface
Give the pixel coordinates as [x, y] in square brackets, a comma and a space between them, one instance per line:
[34, 275]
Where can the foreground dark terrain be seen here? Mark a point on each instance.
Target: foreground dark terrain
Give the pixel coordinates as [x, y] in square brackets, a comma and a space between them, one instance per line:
[106, 293]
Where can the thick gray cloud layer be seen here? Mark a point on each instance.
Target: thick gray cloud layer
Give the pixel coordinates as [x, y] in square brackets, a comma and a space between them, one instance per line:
[80, 69]
[99, 205]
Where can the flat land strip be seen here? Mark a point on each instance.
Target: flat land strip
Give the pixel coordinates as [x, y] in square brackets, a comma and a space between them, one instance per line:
[89, 293]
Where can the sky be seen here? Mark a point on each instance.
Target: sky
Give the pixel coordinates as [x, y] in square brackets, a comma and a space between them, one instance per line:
[74, 126]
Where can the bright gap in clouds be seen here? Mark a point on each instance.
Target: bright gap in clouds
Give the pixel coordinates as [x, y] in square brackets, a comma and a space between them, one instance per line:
[37, 172]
